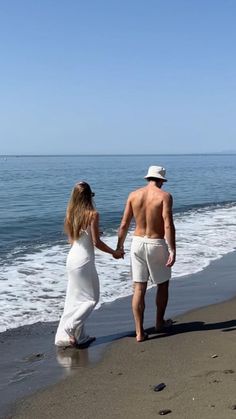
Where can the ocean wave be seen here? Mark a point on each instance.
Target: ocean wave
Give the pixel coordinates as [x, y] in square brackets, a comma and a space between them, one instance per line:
[33, 281]
[204, 206]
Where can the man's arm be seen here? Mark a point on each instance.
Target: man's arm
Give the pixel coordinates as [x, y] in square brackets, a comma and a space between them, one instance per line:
[169, 228]
[125, 223]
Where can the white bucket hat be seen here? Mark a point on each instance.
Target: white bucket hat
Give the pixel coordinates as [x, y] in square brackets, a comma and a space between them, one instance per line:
[157, 172]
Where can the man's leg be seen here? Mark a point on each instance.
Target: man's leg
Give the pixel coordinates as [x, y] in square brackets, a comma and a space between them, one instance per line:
[161, 303]
[138, 306]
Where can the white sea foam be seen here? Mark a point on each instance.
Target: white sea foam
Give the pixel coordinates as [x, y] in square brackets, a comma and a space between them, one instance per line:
[32, 288]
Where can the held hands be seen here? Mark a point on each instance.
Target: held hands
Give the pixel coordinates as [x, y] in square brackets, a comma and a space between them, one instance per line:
[171, 259]
[118, 254]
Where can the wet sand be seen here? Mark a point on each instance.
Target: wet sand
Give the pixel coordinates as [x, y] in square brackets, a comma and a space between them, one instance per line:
[121, 383]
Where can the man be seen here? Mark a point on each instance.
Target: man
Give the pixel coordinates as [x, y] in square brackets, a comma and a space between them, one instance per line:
[153, 245]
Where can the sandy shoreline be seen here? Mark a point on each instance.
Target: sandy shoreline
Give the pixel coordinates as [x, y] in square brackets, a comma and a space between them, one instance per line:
[196, 362]
[29, 361]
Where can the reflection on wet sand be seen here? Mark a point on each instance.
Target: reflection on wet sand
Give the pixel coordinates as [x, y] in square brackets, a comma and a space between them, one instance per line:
[71, 358]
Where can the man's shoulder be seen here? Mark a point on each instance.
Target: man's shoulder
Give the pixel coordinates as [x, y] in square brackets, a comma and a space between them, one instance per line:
[136, 192]
[166, 194]
[167, 198]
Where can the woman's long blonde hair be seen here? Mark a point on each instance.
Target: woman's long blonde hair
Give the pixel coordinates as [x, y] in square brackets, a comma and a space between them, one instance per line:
[80, 210]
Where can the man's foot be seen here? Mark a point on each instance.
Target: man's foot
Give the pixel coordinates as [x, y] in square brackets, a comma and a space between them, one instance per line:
[142, 338]
[164, 326]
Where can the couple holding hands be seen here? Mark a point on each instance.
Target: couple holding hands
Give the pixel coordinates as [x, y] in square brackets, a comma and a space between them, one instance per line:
[152, 255]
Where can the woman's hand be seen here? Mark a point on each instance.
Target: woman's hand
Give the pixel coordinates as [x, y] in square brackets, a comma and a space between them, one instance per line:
[118, 254]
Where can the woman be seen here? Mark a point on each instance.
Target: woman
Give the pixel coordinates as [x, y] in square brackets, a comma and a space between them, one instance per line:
[82, 228]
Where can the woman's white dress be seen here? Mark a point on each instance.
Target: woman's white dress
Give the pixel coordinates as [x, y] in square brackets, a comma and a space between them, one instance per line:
[82, 290]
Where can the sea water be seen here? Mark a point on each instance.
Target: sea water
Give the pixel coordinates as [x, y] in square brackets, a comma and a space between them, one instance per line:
[33, 248]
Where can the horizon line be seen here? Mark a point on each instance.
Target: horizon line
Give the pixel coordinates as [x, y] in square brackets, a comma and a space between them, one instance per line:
[226, 153]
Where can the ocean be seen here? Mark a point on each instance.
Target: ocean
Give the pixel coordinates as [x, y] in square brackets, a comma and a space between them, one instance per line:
[33, 248]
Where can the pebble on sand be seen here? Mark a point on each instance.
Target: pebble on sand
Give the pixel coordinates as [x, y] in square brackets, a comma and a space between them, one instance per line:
[164, 412]
[159, 387]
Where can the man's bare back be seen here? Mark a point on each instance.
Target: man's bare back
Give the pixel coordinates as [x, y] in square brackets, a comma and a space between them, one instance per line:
[151, 209]
[148, 204]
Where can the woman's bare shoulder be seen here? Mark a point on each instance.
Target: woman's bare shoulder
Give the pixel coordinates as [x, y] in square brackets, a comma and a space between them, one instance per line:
[95, 216]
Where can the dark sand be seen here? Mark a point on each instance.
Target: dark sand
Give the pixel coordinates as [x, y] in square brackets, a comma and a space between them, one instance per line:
[120, 384]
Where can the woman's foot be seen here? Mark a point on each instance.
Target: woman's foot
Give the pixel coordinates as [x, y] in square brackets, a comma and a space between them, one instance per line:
[72, 341]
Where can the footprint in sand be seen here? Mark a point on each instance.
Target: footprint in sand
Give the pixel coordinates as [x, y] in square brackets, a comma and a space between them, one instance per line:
[213, 372]
[216, 380]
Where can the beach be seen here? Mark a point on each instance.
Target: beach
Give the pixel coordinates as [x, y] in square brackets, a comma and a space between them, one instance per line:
[116, 118]
[116, 376]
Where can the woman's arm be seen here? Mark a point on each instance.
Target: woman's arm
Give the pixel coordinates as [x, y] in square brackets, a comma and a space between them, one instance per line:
[98, 243]
[70, 240]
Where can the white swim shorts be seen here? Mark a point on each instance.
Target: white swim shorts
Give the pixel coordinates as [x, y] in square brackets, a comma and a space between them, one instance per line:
[148, 260]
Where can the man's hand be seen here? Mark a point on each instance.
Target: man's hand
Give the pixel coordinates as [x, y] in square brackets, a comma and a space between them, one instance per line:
[171, 259]
[118, 254]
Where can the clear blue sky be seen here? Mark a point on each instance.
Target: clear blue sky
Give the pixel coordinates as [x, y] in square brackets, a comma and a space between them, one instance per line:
[109, 76]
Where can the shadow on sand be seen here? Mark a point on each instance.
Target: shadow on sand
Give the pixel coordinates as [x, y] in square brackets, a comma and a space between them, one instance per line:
[175, 329]
[72, 358]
